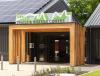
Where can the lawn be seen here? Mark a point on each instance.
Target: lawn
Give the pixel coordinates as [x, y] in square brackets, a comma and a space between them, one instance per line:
[94, 73]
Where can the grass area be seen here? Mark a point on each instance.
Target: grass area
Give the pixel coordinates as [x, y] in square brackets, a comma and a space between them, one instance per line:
[94, 73]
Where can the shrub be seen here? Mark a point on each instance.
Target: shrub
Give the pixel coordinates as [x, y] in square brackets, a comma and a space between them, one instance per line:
[54, 71]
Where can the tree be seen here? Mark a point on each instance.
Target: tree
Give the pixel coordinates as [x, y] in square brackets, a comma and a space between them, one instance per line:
[82, 8]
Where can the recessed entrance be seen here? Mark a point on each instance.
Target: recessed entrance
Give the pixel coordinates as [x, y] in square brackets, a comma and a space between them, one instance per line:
[49, 47]
[48, 42]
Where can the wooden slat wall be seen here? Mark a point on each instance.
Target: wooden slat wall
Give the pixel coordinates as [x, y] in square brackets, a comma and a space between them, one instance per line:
[17, 46]
[79, 44]
[72, 47]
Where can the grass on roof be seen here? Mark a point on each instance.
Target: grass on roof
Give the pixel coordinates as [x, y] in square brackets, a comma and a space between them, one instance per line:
[94, 73]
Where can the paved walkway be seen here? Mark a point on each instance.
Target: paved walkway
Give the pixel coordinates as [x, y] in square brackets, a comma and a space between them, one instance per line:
[27, 69]
[90, 67]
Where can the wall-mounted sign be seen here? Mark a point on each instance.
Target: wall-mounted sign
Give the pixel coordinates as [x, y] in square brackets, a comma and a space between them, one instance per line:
[55, 17]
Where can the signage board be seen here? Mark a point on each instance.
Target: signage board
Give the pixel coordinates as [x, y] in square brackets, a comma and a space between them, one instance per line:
[56, 17]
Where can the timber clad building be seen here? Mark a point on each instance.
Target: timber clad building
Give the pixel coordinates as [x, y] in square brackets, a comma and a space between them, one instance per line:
[48, 42]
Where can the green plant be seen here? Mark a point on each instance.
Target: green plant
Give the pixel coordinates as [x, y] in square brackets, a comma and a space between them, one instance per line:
[45, 73]
[54, 71]
[65, 70]
[58, 70]
[71, 70]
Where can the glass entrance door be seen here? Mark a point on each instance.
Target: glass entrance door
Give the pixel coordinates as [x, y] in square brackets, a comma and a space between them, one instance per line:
[48, 48]
[59, 51]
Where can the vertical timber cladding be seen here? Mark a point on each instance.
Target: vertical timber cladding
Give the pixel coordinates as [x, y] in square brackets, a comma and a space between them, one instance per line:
[80, 44]
[17, 40]
[77, 51]
[16, 45]
[19, 44]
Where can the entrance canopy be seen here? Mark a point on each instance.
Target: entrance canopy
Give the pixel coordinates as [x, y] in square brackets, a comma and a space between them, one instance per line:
[17, 40]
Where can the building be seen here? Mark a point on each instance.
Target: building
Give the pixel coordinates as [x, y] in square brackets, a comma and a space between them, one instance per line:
[29, 40]
[93, 37]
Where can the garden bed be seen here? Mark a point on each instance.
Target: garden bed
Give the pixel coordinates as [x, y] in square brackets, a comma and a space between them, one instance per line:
[58, 71]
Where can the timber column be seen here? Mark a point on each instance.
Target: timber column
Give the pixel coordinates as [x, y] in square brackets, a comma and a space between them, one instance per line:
[73, 52]
[11, 51]
[23, 47]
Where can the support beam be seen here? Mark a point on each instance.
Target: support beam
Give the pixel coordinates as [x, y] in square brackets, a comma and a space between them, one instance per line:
[23, 47]
[14, 45]
[72, 46]
[77, 45]
[11, 51]
[19, 44]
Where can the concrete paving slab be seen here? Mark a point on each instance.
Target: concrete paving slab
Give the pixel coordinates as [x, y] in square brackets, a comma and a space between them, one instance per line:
[27, 69]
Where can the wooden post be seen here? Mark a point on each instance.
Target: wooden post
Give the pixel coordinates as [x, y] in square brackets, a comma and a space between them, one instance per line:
[19, 44]
[72, 46]
[11, 51]
[23, 47]
[14, 45]
[78, 44]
